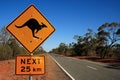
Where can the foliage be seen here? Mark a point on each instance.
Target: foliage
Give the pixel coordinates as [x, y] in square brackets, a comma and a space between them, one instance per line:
[117, 50]
[10, 48]
[104, 43]
[5, 52]
[109, 32]
[62, 49]
[39, 50]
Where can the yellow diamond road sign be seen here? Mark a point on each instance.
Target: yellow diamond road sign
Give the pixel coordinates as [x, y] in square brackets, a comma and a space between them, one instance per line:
[31, 28]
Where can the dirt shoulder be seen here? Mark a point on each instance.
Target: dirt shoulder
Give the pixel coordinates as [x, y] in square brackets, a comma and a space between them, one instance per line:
[112, 62]
[52, 71]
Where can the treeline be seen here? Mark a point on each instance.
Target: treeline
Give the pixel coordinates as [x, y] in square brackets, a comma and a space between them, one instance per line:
[103, 43]
[10, 48]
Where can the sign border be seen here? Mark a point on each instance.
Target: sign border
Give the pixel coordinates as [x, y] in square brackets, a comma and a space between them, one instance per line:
[29, 56]
[19, 16]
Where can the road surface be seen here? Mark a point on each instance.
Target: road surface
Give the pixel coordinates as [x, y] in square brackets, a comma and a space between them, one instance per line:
[86, 70]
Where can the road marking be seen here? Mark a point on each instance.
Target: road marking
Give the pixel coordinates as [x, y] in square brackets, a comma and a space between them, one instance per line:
[92, 67]
[62, 68]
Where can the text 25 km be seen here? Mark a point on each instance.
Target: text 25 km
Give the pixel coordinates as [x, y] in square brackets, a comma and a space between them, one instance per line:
[25, 69]
[28, 69]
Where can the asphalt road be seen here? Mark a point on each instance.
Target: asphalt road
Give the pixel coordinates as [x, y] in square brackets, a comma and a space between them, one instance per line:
[86, 70]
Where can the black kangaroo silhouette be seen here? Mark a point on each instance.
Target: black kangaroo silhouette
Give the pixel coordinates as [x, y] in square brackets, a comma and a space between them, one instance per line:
[33, 25]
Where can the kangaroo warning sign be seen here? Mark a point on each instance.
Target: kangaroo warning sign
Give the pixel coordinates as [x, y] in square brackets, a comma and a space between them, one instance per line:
[31, 28]
[30, 65]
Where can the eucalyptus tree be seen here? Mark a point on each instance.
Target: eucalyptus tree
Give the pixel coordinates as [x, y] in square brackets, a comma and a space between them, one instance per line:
[110, 34]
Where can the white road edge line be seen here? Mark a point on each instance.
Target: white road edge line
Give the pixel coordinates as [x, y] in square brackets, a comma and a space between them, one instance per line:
[92, 67]
[62, 68]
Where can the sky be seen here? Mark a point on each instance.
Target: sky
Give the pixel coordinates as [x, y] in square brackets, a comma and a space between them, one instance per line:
[69, 17]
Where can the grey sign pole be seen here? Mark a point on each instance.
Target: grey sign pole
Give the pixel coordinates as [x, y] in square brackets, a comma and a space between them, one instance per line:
[30, 76]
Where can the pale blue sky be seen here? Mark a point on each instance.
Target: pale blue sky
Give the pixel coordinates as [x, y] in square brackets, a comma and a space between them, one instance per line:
[69, 17]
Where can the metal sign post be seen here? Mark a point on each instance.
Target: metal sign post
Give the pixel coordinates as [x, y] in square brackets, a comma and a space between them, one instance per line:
[30, 76]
